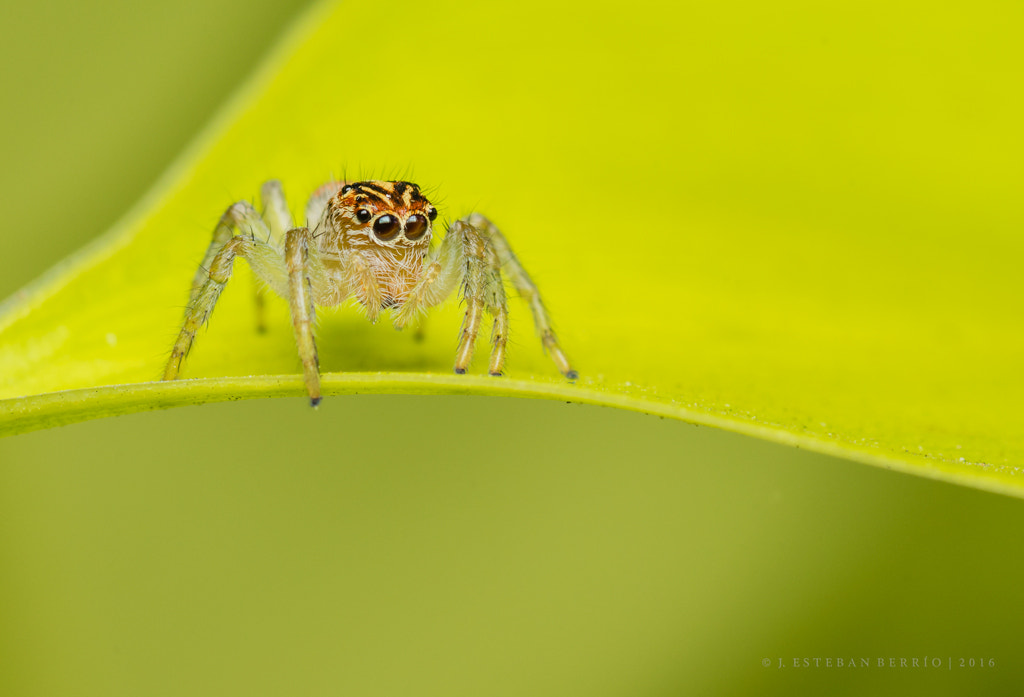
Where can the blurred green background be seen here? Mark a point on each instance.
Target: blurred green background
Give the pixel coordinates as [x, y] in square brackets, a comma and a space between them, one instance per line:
[256, 548]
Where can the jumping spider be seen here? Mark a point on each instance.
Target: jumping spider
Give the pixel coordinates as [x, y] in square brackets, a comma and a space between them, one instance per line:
[371, 241]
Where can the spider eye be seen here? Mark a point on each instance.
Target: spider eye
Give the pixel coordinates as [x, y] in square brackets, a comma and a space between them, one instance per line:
[385, 226]
[432, 214]
[345, 189]
[415, 226]
[363, 215]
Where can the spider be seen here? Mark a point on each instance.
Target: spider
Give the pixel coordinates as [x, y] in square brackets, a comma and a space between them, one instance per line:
[371, 241]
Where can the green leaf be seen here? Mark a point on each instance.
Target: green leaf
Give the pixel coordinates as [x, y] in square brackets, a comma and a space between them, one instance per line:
[798, 222]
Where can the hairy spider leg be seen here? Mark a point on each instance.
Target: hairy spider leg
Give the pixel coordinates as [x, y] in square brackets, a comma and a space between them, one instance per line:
[265, 262]
[483, 289]
[291, 276]
[317, 204]
[239, 217]
[526, 288]
[307, 282]
[300, 298]
[473, 284]
[279, 220]
[275, 211]
[465, 255]
[444, 267]
[497, 305]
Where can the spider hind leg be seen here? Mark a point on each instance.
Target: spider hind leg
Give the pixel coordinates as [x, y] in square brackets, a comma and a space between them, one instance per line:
[510, 265]
[204, 296]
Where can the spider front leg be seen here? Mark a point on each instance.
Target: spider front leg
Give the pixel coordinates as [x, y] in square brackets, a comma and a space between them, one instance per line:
[300, 298]
[461, 257]
[465, 254]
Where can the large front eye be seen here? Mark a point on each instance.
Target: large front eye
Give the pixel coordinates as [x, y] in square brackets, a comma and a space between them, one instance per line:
[363, 215]
[385, 226]
[415, 226]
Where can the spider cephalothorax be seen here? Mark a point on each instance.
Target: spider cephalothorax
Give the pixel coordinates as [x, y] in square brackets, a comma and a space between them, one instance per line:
[370, 240]
[384, 227]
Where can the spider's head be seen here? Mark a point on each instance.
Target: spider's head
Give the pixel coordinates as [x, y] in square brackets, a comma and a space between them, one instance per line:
[389, 214]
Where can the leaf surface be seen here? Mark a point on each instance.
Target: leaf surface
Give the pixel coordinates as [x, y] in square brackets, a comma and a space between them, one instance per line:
[798, 222]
